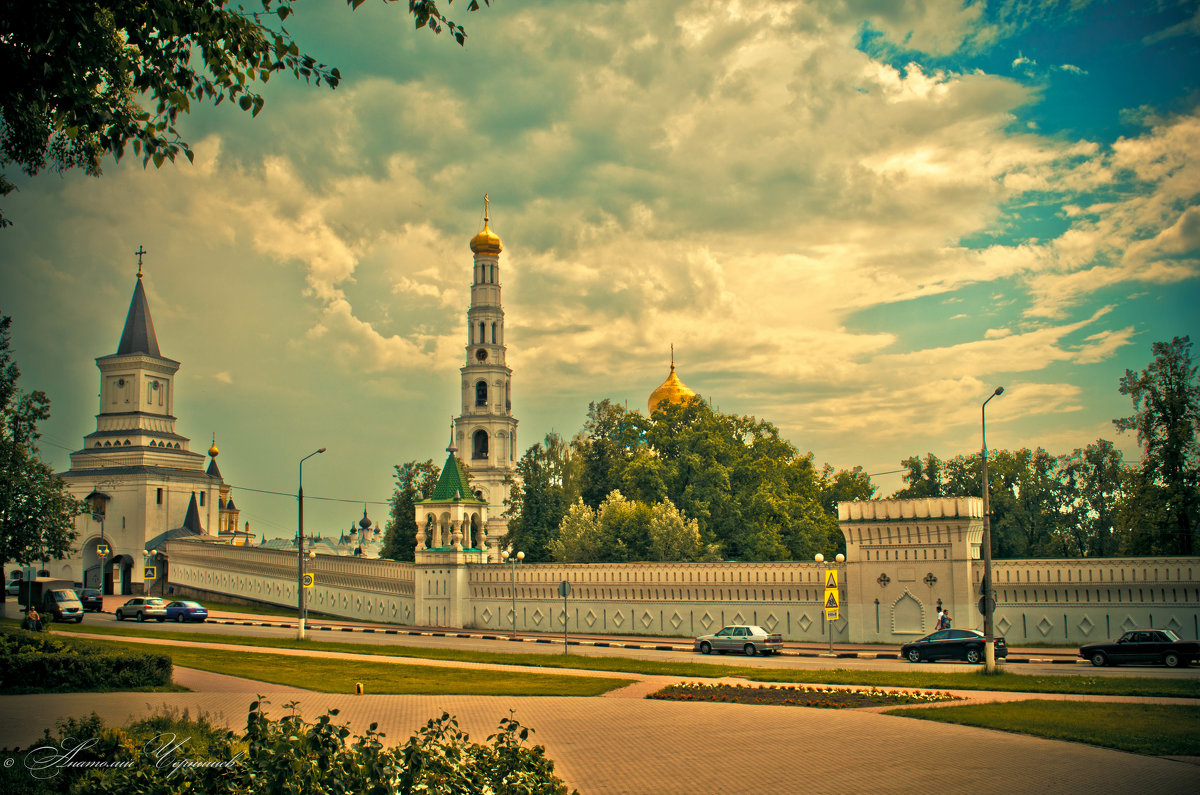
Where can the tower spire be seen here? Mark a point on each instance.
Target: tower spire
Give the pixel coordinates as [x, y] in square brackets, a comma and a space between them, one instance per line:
[138, 334]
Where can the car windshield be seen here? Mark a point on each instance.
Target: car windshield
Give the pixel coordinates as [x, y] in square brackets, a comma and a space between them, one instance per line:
[156, 602]
[65, 596]
[1171, 636]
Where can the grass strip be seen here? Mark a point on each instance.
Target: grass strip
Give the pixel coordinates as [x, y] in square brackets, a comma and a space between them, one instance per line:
[931, 679]
[327, 675]
[1154, 729]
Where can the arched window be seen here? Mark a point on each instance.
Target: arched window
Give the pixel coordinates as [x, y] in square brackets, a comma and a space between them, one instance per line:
[481, 393]
[482, 332]
[480, 446]
[493, 333]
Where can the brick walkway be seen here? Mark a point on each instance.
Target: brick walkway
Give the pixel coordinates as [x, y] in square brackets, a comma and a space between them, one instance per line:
[623, 744]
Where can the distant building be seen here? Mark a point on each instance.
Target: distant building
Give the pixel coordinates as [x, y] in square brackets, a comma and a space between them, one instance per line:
[670, 391]
[142, 482]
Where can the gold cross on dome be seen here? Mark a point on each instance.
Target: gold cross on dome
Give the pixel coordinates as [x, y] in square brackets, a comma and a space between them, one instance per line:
[139, 253]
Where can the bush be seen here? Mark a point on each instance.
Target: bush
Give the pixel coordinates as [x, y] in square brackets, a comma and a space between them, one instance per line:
[33, 662]
[168, 753]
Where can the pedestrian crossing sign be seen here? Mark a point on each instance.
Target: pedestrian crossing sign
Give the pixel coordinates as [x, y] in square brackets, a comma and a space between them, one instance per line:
[831, 579]
[148, 573]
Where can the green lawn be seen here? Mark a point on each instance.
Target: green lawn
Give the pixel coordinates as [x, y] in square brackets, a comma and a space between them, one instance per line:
[931, 679]
[340, 676]
[1155, 729]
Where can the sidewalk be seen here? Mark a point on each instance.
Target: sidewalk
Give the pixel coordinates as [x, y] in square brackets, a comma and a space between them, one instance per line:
[623, 744]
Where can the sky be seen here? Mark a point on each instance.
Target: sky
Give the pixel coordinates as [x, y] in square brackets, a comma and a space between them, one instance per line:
[853, 219]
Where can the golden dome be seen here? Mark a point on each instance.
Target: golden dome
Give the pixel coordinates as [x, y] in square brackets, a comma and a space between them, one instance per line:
[486, 242]
[213, 451]
[672, 391]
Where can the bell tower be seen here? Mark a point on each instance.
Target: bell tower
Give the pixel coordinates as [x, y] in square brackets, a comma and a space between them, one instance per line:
[485, 431]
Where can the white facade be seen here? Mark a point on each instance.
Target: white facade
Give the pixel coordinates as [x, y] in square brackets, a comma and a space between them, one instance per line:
[486, 432]
[140, 476]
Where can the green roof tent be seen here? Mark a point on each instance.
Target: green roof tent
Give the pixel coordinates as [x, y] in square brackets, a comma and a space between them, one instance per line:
[449, 515]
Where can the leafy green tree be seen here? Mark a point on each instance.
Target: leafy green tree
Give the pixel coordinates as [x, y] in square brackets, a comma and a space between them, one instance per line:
[415, 481]
[37, 514]
[580, 538]
[845, 485]
[86, 78]
[546, 485]
[1092, 484]
[924, 478]
[674, 537]
[1166, 403]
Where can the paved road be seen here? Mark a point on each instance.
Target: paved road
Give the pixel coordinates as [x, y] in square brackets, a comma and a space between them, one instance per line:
[1061, 661]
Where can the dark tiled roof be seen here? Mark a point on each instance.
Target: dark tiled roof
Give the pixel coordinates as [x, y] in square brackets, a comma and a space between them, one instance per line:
[212, 469]
[453, 485]
[192, 520]
[138, 336]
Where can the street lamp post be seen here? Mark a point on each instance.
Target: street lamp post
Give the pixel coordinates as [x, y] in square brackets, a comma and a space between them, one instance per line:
[300, 607]
[514, 560]
[987, 593]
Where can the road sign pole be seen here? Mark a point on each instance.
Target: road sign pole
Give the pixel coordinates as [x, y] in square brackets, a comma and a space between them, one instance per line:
[564, 588]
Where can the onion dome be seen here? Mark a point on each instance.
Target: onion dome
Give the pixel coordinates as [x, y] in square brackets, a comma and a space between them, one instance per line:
[364, 522]
[213, 451]
[671, 391]
[486, 242]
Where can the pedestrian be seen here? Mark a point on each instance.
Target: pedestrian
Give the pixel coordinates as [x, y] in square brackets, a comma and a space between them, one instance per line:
[946, 620]
[33, 622]
[941, 612]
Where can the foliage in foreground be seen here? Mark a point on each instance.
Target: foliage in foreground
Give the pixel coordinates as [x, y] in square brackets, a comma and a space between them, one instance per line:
[32, 662]
[168, 753]
[802, 696]
[1156, 729]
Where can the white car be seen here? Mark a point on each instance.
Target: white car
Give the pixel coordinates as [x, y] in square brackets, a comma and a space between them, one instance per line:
[746, 638]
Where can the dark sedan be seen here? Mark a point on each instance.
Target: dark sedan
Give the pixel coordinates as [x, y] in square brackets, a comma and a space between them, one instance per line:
[951, 644]
[1143, 646]
[186, 611]
[91, 599]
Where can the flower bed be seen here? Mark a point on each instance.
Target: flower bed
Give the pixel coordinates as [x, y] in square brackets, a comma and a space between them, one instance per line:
[800, 695]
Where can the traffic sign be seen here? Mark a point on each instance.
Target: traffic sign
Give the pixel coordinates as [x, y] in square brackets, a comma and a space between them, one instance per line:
[148, 573]
[831, 614]
[983, 604]
[564, 589]
[831, 579]
[102, 549]
[831, 600]
[308, 580]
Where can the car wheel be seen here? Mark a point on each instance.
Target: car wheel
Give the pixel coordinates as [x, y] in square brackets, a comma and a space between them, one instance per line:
[973, 656]
[1099, 659]
[179, 618]
[1171, 659]
[141, 616]
[161, 619]
[705, 648]
[914, 655]
[119, 615]
[749, 649]
[79, 620]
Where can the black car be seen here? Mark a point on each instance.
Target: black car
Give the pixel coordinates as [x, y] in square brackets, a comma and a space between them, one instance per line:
[91, 599]
[951, 644]
[1143, 646]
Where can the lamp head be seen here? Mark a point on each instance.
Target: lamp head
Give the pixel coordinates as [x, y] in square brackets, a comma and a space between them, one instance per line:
[520, 556]
[841, 558]
[819, 558]
[323, 449]
[999, 391]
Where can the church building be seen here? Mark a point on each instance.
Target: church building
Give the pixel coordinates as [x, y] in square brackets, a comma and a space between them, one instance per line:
[141, 481]
[486, 432]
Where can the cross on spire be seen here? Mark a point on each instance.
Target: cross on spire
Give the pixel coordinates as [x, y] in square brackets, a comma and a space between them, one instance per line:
[139, 253]
[485, 208]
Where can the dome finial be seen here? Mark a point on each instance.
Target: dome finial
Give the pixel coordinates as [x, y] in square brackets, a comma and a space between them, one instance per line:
[451, 449]
[485, 209]
[486, 242]
[670, 391]
[139, 253]
[213, 451]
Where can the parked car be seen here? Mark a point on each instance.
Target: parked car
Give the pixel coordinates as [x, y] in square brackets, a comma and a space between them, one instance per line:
[13, 587]
[62, 604]
[91, 599]
[951, 644]
[746, 638]
[143, 607]
[1143, 646]
[186, 611]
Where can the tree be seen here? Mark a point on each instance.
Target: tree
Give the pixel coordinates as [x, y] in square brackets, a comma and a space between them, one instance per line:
[844, 486]
[77, 72]
[415, 481]
[674, 537]
[547, 484]
[1092, 484]
[1166, 404]
[37, 514]
[924, 478]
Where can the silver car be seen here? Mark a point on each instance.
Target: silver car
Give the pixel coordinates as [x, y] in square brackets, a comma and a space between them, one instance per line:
[143, 607]
[745, 638]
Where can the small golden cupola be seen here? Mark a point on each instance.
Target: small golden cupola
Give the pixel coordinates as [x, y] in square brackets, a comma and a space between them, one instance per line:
[486, 242]
[671, 391]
